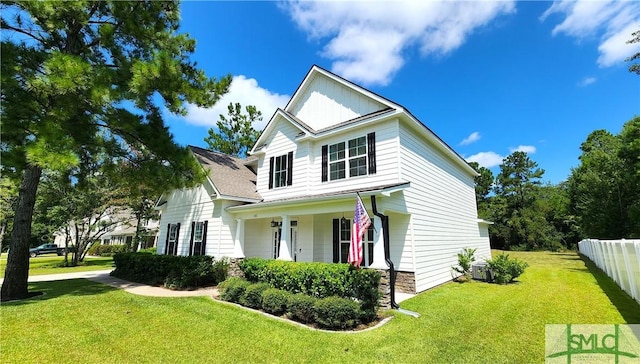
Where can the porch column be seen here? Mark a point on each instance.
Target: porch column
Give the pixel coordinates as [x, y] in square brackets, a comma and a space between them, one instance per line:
[285, 238]
[238, 249]
[378, 246]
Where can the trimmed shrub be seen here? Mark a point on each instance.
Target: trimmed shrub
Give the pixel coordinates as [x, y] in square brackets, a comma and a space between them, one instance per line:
[233, 288]
[503, 270]
[220, 270]
[151, 250]
[252, 296]
[253, 268]
[300, 306]
[337, 312]
[274, 301]
[98, 249]
[173, 271]
[318, 280]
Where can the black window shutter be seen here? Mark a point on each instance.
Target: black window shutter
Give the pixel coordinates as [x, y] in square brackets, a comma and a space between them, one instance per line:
[371, 147]
[271, 173]
[290, 169]
[325, 162]
[166, 242]
[193, 228]
[336, 240]
[204, 238]
[175, 246]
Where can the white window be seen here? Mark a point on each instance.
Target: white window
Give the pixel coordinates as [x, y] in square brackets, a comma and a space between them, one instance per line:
[197, 244]
[280, 171]
[345, 242]
[198, 232]
[356, 158]
[336, 161]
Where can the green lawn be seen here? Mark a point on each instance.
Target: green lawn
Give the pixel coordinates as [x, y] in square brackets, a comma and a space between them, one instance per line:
[52, 264]
[81, 321]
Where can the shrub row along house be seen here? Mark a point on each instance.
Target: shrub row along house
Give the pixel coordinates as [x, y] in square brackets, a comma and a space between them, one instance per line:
[294, 198]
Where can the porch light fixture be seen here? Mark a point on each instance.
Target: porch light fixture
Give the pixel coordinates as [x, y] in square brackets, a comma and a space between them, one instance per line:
[273, 223]
[343, 220]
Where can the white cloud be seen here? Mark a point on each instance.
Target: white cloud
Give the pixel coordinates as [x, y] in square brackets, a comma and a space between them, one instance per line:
[486, 159]
[611, 21]
[246, 91]
[472, 138]
[366, 40]
[587, 81]
[529, 149]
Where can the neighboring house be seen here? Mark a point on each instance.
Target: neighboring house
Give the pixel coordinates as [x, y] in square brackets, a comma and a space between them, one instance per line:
[294, 199]
[114, 226]
[125, 231]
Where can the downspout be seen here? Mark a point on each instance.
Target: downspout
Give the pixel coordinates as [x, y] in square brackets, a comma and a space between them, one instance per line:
[387, 251]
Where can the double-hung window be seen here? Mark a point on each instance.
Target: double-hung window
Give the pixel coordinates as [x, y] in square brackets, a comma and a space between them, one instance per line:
[197, 245]
[352, 158]
[171, 243]
[344, 236]
[281, 170]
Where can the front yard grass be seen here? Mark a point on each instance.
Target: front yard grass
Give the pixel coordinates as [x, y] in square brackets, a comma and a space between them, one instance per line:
[78, 320]
[52, 264]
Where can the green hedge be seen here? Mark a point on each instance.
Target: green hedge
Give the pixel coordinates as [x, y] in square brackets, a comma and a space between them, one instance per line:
[319, 280]
[330, 312]
[172, 271]
[106, 250]
[336, 312]
[233, 289]
[274, 301]
[252, 296]
[300, 306]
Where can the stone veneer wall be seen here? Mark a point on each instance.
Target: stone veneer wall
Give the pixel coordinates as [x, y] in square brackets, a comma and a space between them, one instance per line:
[234, 268]
[405, 283]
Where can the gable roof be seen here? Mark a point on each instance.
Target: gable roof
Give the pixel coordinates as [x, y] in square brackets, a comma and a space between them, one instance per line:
[389, 108]
[230, 177]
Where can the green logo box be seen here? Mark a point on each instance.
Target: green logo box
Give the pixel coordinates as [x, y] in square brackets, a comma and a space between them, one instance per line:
[578, 343]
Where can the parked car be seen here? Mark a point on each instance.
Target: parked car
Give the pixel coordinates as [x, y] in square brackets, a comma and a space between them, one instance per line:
[47, 249]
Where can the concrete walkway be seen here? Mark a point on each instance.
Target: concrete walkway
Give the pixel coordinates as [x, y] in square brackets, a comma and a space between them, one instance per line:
[102, 276]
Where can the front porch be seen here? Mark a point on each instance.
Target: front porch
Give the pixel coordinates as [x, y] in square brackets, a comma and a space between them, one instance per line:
[318, 229]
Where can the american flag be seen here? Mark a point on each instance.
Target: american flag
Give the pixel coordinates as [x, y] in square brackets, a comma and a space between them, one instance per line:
[361, 222]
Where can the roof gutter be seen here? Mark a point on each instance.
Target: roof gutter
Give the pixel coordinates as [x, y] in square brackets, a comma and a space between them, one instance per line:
[387, 251]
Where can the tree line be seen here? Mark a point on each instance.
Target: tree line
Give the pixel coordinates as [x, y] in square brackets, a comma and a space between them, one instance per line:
[599, 199]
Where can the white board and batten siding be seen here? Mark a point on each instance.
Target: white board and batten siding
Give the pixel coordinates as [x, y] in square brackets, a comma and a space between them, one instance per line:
[193, 205]
[442, 203]
[325, 102]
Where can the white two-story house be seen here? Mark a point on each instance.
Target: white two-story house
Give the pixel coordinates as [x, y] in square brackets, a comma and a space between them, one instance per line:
[294, 198]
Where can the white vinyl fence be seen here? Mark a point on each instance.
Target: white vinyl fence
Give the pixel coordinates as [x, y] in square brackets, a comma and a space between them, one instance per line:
[620, 259]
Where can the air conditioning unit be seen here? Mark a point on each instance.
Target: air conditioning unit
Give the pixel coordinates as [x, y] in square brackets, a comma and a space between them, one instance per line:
[480, 271]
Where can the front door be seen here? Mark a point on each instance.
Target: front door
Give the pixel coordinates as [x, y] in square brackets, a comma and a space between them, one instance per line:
[276, 242]
[294, 240]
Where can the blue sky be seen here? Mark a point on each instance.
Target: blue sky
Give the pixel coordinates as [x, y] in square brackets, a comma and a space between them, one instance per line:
[487, 77]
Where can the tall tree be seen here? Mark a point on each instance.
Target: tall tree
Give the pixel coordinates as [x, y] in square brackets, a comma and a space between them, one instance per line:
[235, 135]
[518, 220]
[87, 76]
[635, 67]
[605, 187]
[484, 184]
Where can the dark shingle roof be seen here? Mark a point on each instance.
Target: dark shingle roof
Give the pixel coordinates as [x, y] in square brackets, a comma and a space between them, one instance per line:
[229, 174]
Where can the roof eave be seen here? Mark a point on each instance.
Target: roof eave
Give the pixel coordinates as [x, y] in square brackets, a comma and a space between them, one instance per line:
[386, 191]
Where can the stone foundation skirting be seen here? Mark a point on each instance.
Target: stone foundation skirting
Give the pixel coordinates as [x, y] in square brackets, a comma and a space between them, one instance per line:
[234, 268]
[405, 283]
